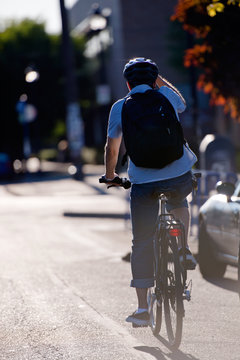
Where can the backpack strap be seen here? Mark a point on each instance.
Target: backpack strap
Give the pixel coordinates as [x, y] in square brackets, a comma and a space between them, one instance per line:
[124, 159]
[125, 155]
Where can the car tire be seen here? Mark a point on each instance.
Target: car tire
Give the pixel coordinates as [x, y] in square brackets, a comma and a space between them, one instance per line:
[209, 266]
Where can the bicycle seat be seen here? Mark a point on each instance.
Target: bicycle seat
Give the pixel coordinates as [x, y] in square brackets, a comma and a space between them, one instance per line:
[166, 195]
[163, 197]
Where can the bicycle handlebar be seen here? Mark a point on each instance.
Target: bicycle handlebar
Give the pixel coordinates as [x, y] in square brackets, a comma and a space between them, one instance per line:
[126, 184]
[123, 182]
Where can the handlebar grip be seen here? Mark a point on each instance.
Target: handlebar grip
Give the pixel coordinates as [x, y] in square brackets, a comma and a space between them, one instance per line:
[124, 182]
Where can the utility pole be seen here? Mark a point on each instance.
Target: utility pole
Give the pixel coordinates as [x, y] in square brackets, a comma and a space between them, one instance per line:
[74, 122]
[194, 103]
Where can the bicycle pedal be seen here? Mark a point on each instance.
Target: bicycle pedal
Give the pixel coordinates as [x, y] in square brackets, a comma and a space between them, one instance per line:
[187, 265]
[187, 295]
[187, 291]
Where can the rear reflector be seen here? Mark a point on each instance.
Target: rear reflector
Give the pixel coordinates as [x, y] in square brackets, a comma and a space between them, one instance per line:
[175, 232]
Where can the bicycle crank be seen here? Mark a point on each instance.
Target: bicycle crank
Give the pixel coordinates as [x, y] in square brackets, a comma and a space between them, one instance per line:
[187, 291]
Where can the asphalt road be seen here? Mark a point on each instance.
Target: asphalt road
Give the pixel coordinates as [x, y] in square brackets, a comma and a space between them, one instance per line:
[65, 289]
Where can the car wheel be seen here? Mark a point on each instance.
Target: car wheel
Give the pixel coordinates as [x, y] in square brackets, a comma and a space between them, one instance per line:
[209, 266]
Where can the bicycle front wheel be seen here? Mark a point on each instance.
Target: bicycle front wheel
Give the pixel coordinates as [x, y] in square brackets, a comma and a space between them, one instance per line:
[173, 292]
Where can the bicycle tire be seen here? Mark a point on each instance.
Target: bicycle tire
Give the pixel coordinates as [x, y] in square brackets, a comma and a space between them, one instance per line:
[173, 291]
[156, 294]
[155, 313]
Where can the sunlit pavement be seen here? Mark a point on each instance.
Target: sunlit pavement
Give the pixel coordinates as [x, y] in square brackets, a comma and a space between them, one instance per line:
[65, 289]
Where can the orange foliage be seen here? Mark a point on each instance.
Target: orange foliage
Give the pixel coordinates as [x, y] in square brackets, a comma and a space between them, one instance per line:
[181, 14]
[195, 56]
[182, 7]
[208, 87]
[216, 99]
[194, 14]
[231, 107]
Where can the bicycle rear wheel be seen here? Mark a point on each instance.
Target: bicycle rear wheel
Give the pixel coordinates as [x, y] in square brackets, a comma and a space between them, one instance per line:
[173, 292]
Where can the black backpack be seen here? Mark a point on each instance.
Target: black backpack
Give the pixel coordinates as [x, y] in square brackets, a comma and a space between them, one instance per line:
[152, 134]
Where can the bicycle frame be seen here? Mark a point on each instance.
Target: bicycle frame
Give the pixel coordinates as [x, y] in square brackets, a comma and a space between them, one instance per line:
[167, 222]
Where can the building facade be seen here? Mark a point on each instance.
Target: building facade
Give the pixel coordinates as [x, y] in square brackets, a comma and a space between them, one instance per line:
[140, 28]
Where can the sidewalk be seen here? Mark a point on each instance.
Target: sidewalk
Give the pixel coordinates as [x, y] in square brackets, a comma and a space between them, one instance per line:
[88, 198]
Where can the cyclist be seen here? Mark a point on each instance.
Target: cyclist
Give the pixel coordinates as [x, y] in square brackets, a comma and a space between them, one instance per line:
[142, 74]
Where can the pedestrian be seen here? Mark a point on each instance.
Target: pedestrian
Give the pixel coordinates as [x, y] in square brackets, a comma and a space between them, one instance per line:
[150, 170]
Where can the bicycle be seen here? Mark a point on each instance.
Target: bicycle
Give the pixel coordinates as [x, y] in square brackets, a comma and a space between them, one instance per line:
[170, 277]
[171, 287]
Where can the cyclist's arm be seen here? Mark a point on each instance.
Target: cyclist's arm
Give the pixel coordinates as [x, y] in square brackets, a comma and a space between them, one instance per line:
[163, 82]
[111, 156]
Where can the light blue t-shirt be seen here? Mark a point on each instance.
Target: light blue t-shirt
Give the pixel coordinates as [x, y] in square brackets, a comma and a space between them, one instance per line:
[140, 175]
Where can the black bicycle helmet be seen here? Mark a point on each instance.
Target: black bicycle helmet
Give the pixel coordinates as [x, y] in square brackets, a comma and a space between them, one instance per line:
[140, 70]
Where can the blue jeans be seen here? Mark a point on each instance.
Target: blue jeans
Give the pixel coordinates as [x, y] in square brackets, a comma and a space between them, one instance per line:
[144, 215]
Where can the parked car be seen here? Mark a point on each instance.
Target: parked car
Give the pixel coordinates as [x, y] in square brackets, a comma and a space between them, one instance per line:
[219, 231]
[6, 168]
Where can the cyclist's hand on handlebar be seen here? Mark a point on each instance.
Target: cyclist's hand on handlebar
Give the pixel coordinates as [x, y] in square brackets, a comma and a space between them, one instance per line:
[111, 181]
[116, 181]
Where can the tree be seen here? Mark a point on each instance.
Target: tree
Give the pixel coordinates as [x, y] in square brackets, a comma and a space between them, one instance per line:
[27, 43]
[215, 26]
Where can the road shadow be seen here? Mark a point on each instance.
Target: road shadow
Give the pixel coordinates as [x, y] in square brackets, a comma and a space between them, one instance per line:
[127, 257]
[35, 177]
[225, 283]
[159, 354]
[47, 176]
[95, 215]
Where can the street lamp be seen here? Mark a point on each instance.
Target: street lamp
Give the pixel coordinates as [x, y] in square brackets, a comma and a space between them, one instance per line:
[97, 21]
[97, 30]
[194, 98]
[31, 75]
[101, 39]
[27, 112]
[96, 27]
